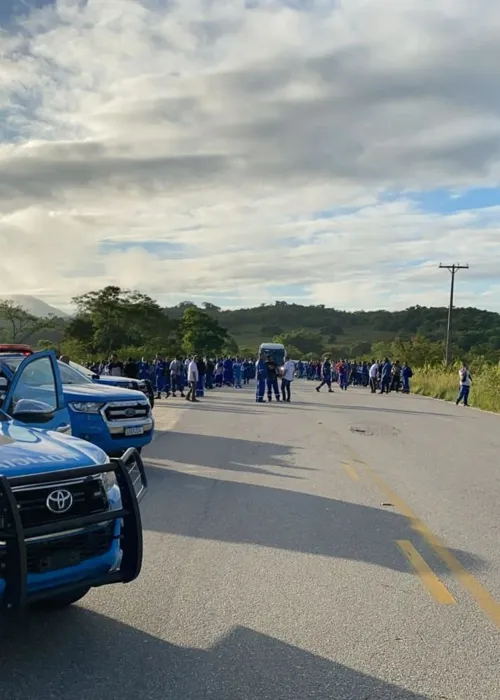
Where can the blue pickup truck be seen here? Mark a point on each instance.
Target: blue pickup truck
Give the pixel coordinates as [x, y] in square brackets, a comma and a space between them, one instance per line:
[69, 515]
[112, 418]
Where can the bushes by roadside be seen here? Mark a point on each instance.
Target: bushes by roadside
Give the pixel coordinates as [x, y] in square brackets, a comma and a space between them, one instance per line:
[442, 383]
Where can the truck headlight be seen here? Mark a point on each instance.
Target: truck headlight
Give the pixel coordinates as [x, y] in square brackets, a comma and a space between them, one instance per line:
[86, 407]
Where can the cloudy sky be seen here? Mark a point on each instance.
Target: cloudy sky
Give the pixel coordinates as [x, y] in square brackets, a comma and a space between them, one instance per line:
[242, 151]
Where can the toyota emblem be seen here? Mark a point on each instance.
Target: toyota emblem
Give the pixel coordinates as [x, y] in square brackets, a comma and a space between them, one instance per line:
[59, 501]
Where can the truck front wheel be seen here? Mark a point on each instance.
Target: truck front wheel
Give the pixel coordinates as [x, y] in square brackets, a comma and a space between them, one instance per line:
[63, 600]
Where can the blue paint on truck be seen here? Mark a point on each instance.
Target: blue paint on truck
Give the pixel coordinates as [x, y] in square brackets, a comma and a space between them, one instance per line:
[112, 418]
[70, 519]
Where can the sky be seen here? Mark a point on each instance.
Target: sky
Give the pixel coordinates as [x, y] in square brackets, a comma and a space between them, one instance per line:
[242, 151]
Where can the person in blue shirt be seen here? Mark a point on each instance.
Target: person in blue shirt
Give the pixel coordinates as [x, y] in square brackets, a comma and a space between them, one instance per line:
[228, 372]
[143, 369]
[159, 368]
[261, 375]
[386, 377]
[238, 373]
[406, 374]
[326, 376]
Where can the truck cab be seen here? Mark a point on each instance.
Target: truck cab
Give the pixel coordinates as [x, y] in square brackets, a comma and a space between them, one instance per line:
[70, 517]
[114, 419]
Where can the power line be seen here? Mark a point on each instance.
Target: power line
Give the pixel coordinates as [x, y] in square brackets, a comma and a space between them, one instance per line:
[452, 269]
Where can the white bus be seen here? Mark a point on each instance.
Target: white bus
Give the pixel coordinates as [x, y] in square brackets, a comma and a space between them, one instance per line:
[276, 351]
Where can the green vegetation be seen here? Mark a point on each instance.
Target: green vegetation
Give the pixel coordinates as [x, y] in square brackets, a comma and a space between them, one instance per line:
[442, 383]
[134, 324]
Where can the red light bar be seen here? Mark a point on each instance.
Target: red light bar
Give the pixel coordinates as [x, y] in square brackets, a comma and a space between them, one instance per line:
[23, 349]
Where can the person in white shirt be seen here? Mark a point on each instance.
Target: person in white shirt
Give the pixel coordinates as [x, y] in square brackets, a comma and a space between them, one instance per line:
[373, 374]
[287, 379]
[465, 384]
[193, 376]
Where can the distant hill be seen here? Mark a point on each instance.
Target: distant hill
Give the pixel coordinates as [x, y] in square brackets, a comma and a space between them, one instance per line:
[35, 307]
[314, 329]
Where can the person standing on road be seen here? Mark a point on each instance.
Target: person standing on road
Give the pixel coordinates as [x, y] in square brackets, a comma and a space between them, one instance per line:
[238, 373]
[176, 376]
[396, 377]
[465, 384]
[193, 377]
[209, 381]
[219, 372]
[159, 368]
[343, 371]
[272, 380]
[386, 377]
[261, 375]
[326, 376]
[114, 367]
[287, 379]
[407, 374]
[373, 372]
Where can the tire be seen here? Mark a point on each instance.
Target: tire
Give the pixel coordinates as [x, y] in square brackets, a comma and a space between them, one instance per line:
[64, 600]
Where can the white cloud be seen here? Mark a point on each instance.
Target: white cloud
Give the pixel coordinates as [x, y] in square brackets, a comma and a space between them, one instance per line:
[262, 140]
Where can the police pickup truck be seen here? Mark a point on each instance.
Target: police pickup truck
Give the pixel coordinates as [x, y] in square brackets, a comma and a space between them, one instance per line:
[112, 418]
[69, 515]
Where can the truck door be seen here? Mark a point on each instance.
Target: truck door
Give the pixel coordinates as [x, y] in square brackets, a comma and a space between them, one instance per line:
[37, 379]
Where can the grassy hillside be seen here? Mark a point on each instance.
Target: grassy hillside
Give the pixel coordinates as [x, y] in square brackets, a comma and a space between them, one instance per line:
[353, 333]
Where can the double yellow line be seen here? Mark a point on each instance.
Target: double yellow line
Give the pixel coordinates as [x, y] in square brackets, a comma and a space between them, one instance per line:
[429, 579]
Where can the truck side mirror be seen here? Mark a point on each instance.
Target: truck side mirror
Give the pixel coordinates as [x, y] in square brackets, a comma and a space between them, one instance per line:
[32, 412]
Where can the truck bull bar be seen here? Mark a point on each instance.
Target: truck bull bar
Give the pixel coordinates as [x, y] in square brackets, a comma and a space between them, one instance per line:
[132, 481]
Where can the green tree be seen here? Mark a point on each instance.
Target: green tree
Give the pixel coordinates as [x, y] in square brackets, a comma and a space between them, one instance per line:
[17, 325]
[304, 341]
[111, 318]
[201, 333]
[230, 347]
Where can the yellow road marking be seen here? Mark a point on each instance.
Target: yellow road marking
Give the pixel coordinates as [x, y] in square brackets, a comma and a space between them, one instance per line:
[350, 471]
[429, 580]
[482, 597]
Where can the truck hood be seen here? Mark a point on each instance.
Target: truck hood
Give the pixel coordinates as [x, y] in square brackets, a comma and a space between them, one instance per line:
[100, 393]
[116, 381]
[30, 450]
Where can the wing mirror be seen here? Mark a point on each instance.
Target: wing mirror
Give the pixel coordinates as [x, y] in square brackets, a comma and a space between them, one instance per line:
[32, 412]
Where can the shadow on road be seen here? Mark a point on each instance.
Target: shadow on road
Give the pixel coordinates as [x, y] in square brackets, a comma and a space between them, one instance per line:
[78, 655]
[231, 454]
[197, 506]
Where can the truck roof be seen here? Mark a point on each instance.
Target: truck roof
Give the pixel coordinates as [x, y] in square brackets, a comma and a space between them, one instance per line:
[272, 346]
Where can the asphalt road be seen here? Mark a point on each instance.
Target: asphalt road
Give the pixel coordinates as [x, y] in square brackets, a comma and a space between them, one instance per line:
[342, 547]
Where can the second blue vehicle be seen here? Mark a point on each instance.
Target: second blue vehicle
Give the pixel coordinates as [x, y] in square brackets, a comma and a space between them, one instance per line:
[114, 419]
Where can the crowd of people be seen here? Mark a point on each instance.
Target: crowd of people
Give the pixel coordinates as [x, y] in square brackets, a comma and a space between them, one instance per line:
[173, 376]
[191, 376]
[380, 375]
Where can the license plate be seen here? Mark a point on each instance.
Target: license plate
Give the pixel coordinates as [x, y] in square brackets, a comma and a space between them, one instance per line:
[134, 431]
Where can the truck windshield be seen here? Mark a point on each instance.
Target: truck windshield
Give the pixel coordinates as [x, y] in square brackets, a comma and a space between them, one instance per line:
[68, 374]
[277, 355]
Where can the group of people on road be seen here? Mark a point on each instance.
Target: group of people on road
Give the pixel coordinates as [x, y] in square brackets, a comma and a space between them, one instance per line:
[172, 376]
[383, 376]
[196, 374]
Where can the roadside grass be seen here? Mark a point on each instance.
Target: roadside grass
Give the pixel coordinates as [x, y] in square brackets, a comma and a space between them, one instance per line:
[441, 383]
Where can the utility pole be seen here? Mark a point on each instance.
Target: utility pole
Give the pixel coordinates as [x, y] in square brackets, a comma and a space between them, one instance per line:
[452, 269]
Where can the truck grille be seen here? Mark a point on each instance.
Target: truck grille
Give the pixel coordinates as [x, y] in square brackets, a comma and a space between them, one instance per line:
[131, 412]
[50, 555]
[89, 497]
